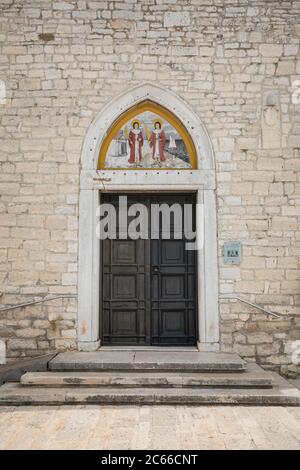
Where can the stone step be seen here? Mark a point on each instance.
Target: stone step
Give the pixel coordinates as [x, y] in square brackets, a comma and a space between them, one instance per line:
[254, 377]
[281, 394]
[148, 360]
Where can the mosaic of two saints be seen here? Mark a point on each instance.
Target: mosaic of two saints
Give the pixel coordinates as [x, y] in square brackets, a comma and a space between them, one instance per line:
[147, 141]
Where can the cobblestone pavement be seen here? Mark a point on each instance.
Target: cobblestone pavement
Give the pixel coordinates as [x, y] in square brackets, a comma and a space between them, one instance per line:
[149, 427]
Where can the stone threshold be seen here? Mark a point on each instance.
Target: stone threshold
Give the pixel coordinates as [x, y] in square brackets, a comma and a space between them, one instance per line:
[148, 360]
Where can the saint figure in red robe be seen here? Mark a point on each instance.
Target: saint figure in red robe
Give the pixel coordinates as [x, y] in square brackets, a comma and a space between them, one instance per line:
[136, 142]
[157, 142]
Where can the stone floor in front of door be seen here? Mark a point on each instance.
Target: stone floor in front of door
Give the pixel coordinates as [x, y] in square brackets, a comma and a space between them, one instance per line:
[149, 427]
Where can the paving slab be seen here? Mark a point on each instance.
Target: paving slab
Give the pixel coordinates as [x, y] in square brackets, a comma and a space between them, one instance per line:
[108, 427]
[144, 360]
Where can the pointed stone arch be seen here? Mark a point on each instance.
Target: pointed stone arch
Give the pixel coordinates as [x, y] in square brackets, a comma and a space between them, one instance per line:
[94, 181]
[148, 91]
[158, 110]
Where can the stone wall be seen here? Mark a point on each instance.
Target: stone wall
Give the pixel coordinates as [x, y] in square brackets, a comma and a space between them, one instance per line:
[234, 62]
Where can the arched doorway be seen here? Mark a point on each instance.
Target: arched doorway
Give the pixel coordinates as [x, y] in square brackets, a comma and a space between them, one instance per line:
[196, 174]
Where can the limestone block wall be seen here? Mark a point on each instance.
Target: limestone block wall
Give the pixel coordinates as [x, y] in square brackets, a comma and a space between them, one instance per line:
[235, 63]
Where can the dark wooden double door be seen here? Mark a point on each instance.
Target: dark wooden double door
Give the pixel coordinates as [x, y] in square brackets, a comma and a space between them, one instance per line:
[149, 285]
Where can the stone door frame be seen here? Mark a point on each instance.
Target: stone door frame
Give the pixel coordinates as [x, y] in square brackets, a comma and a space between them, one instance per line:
[93, 183]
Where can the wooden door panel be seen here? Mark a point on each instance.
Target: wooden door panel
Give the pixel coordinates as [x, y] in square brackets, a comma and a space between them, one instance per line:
[124, 322]
[172, 286]
[123, 286]
[173, 323]
[124, 251]
[172, 252]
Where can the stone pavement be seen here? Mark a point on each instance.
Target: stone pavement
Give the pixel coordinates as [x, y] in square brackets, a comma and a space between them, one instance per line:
[149, 427]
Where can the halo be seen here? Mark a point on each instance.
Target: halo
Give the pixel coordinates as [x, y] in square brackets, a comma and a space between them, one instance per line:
[157, 120]
[134, 122]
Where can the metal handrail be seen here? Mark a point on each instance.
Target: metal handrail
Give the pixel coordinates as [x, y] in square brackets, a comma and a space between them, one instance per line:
[67, 296]
[45, 299]
[258, 307]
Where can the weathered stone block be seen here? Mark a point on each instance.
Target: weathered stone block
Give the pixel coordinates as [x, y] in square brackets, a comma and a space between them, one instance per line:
[271, 50]
[176, 18]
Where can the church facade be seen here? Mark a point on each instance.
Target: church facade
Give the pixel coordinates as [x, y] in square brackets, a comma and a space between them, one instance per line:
[147, 103]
